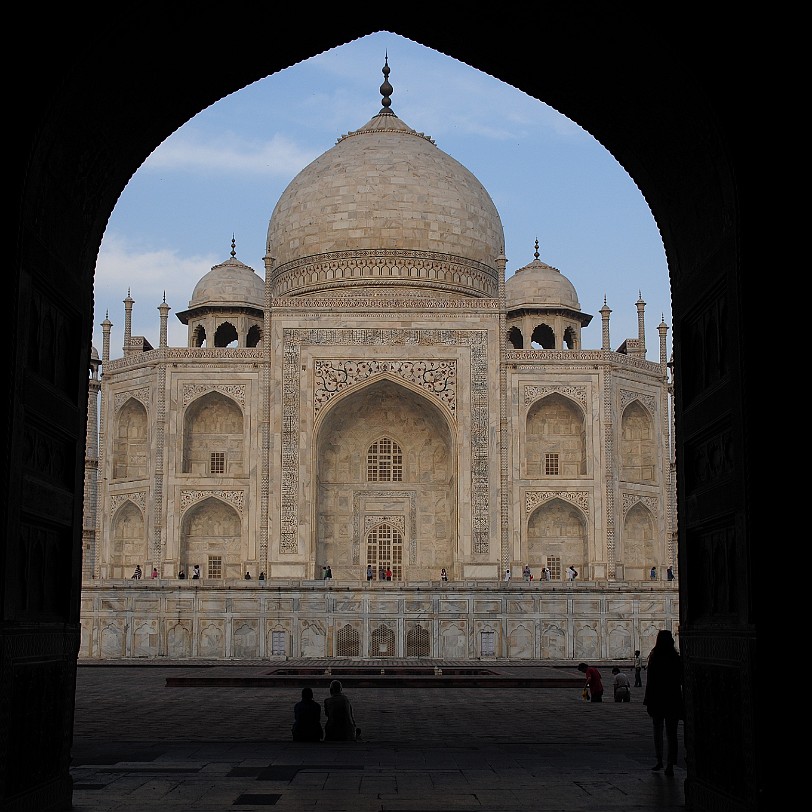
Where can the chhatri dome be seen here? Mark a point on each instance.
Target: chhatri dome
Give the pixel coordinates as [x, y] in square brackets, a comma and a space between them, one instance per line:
[411, 215]
[539, 285]
[231, 283]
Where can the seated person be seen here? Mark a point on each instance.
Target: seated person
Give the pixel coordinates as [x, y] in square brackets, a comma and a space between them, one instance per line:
[307, 719]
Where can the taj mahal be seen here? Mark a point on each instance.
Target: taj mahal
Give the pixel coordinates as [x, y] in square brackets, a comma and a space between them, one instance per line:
[380, 398]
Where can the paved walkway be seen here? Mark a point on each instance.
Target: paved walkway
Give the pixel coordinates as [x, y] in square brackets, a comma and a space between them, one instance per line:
[143, 744]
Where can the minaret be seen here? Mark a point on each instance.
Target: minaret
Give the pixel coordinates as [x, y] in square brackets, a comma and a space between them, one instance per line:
[91, 491]
[663, 331]
[641, 325]
[106, 325]
[605, 311]
[128, 321]
[164, 309]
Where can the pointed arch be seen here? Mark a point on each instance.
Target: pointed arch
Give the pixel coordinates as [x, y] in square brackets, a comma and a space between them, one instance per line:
[638, 448]
[555, 444]
[419, 508]
[639, 544]
[225, 335]
[211, 531]
[557, 536]
[128, 539]
[130, 441]
[543, 337]
[213, 438]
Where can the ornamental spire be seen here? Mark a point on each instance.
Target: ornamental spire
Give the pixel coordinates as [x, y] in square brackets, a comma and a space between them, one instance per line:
[386, 88]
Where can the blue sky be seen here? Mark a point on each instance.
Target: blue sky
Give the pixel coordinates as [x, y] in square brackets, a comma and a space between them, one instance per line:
[224, 170]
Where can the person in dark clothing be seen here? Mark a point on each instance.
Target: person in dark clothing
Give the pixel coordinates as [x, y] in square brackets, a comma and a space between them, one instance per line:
[340, 724]
[663, 698]
[593, 681]
[307, 719]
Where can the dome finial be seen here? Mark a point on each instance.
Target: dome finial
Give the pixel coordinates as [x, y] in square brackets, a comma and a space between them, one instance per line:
[233, 246]
[536, 255]
[386, 88]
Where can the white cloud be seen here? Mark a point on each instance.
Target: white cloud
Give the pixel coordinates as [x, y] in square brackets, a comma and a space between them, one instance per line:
[196, 151]
[147, 274]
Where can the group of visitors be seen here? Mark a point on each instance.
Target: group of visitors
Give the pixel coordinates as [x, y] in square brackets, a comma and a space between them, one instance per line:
[339, 718]
[662, 696]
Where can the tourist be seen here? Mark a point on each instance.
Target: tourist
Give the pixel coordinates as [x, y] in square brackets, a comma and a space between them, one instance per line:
[388, 573]
[196, 572]
[340, 724]
[526, 573]
[248, 575]
[154, 572]
[572, 573]
[663, 698]
[621, 688]
[507, 574]
[443, 575]
[593, 681]
[638, 667]
[307, 719]
[669, 573]
[181, 573]
[369, 572]
[137, 573]
[653, 574]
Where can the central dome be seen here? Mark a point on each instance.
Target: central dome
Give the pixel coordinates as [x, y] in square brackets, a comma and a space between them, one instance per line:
[388, 195]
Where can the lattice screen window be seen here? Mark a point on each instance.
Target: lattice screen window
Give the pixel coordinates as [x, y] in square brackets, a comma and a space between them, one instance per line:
[385, 550]
[385, 461]
[278, 647]
[383, 642]
[418, 642]
[215, 566]
[488, 643]
[348, 643]
[217, 462]
[551, 464]
[554, 565]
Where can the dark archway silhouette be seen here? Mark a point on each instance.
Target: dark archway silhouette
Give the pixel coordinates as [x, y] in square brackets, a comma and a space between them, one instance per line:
[657, 97]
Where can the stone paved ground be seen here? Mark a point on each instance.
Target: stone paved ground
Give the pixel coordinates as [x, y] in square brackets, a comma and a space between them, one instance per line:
[140, 745]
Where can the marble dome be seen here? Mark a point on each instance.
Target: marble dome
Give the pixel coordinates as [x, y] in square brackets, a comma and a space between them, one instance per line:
[386, 190]
[229, 284]
[540, 286]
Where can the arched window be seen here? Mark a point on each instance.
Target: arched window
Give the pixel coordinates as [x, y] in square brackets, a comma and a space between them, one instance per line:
[385, 551]
[385, 461]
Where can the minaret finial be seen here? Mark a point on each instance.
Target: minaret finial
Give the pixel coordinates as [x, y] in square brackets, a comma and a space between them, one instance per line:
[386, 88]
[233, 246]
[536, 255]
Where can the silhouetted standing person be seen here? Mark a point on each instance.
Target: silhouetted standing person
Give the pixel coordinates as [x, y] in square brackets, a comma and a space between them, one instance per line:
[663, 698]
[196, 572]
[638, 667]
[369, 572]
[137, 573]
[340, 724]
[653, 574]
[307, 719]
